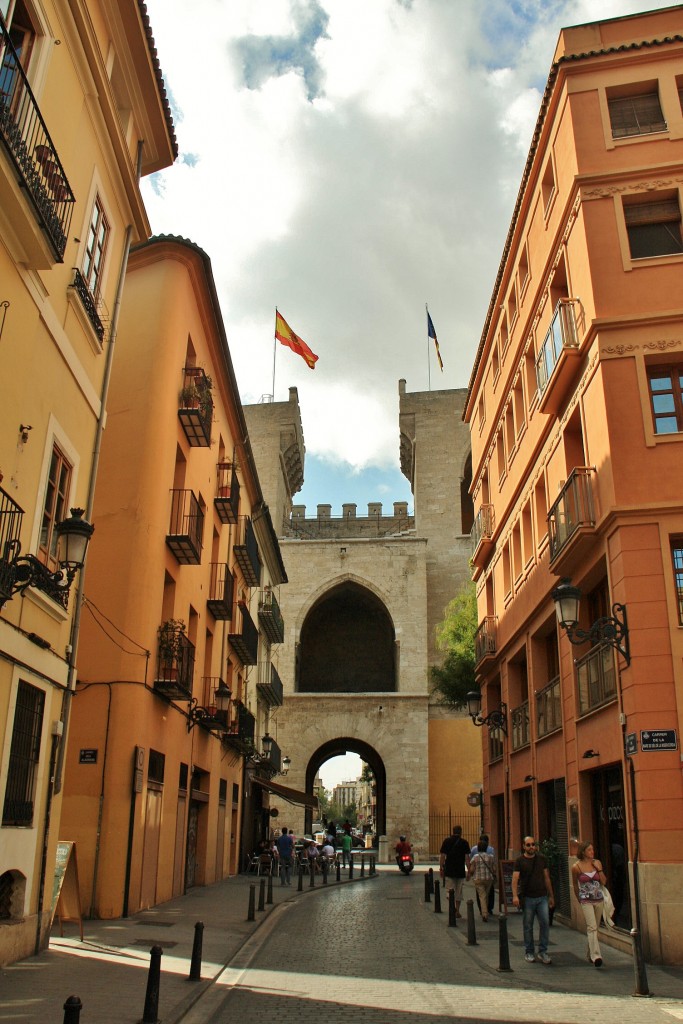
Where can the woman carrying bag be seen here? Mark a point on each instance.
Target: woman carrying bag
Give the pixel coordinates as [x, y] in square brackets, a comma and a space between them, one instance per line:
[588, 878]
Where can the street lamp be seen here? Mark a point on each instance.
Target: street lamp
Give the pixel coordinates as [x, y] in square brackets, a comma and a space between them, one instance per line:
[609, 629]
[496, 719]
[213, 717]
[18, 572]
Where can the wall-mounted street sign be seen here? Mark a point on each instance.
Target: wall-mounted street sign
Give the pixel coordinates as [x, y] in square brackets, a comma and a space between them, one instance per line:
[88, 755]
[631, 744]
[658, 739]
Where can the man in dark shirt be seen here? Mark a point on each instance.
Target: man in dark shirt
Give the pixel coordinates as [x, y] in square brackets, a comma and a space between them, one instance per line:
[454, 863]
[531, 881]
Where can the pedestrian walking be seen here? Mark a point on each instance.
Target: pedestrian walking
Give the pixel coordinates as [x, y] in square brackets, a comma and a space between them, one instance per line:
[482, 871]
[483, 838]
[588, 879]
[346, 845]
[531, 882]
[454, 862]
[285, 849]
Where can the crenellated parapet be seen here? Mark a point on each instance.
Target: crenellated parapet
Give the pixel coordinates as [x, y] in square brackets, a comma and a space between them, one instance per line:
[324, 526]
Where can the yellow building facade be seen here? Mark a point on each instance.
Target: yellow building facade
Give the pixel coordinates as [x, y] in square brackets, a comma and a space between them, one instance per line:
[83, 114]
[576, 421]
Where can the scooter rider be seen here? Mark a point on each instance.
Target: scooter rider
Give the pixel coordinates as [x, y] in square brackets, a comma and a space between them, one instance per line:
[403, 849]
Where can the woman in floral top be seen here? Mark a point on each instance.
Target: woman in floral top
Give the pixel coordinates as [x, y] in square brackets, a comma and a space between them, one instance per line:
[587, 880]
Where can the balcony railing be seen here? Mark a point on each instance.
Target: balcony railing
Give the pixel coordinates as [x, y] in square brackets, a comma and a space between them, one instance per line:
[244, 640]
[227, 500]
[269, 685]
[596, 678]
[520, 725]
[30, 148]
[221, 589]
[549, 708]
[573, 509]
[186, 528]
[88, 302]
[246, 553]
[485, 639]
[495, 744]
[175, 664]
[482, 528]
[562, 335]
[11, 516]
[241, 727]
[273, 763]
[270, 617]
[195, 410]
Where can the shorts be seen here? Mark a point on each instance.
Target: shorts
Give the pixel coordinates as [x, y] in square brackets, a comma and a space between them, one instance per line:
[456, 884]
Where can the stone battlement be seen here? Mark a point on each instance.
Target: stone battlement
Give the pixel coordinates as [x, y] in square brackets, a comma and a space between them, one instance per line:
[324, 526]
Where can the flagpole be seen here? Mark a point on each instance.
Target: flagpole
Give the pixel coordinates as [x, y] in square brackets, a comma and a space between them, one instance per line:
[274, 351]
[429, 369]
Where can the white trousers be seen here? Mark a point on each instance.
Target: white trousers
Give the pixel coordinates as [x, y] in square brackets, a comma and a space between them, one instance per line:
[593, 915]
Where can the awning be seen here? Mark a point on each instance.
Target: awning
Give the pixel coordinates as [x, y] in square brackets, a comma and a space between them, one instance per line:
[292, 796]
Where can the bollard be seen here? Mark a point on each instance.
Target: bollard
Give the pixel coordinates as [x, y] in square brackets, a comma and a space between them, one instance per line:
[642, 988]
[269, 893]
[471, 930]
[431, 881]
[324, 870]
[196, 962]
[251, 912]
[312, 881]
[262, 894]
[338, 870]
[428, 898]
[301, 878]
[150, 1014]
[362, 866]
[350, 867]
[503, 947]
[452, 920]
[72, 1010]
[372, 866]
[437, 898]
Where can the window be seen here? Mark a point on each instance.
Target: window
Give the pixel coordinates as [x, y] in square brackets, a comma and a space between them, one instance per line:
[677, 561]
[636, 115]
[523, 270]
[55, 508]
[24, 756]
[666, 398]
[22, 37]
[548, 185]
[95, 248]
[654, 228]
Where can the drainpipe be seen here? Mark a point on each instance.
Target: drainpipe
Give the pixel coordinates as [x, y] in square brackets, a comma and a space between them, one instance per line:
[78, 606]
[57, 732]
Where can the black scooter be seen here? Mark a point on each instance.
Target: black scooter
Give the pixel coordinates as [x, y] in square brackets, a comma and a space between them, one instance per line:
[405, 862]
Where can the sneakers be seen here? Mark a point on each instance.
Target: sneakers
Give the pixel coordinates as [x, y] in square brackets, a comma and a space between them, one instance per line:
[543, 958]
[530, 958]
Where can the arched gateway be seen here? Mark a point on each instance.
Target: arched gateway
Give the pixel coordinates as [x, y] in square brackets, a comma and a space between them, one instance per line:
[345, 745]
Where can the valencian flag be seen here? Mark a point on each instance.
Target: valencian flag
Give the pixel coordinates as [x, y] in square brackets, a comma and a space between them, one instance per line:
[286, 336]
[431, 333]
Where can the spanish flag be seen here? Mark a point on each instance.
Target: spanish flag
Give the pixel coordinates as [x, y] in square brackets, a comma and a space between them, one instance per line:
[286, 336]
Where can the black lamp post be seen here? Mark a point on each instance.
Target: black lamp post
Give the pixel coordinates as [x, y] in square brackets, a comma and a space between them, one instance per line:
[218, 719]
[18, 572]
[609, 629]
[496, 719]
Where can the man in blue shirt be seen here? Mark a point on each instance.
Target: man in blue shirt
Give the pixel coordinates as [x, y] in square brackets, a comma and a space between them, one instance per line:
[285, 849]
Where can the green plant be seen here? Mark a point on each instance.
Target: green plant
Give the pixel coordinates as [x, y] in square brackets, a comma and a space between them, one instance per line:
[455, 677]
[551, 851]
[171, 634]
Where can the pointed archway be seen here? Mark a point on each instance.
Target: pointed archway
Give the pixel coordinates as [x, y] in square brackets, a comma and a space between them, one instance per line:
[347, 745]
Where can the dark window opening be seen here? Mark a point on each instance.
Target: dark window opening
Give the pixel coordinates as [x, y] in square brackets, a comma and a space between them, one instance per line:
[654, 228]
[24, 756]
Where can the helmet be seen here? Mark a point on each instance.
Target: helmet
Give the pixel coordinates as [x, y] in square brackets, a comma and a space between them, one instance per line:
[402, 839]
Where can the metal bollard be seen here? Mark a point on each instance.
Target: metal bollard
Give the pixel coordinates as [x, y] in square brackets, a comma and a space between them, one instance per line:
[452, 920]
[428, 896]
[471, 930]
[300, 886]
[312, 881]
[437, 898]
[269, 892]
[150, 1014]
[642, 988]
[72, 1010]
[362, 867]
[350, 867]
[196, 962]
[372, 866]
[503, 946]
[262, 894]
[324, 870]
[338, 870]
[251, 912]
[431, 881]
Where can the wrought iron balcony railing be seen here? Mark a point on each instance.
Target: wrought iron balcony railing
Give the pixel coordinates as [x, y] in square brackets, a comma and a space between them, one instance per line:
[270, 616]
[195, 406]
[31, 150]
[485, 639]
[562, 334]
[520, 725]
[244, 639]
[269, 685]
[573, 509]
[596, 678]
[11, 516]
[241, 727]
[221, 590]
[186, 528]
[175, 663]
[549, 708]
[227, 500]
[273, 763]
[246, 552]
[89, 304]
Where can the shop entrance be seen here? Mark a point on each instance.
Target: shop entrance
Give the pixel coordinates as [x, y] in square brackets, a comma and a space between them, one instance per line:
[610, 837]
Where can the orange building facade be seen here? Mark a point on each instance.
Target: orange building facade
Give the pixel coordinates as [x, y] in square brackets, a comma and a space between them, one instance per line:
[181, 619]
[575, 408]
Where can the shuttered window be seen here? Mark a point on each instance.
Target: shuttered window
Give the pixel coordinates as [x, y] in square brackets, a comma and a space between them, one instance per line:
[24, 756]
[654, 228]
[636, 115]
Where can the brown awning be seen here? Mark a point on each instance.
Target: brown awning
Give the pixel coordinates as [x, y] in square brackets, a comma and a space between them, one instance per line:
[292, 796]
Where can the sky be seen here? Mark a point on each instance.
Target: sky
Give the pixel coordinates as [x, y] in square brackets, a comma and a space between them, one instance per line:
[350, 162]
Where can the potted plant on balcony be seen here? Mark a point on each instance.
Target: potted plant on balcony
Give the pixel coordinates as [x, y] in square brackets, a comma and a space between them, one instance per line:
[189, 396]
[171, 634]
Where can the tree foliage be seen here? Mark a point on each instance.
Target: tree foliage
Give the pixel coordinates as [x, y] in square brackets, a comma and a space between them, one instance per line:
[455, 677]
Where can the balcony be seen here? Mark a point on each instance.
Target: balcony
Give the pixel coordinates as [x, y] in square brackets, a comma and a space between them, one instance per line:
[244, 641]
[549, 708]
[221, 589]
[241, 728]
[175, 663]
[481, 536]
[485, 639]
[270, 617]
[245, 550]
[571, 521]
[24, 134]
[556, 360]
[186, 528]
[273, 763]
[88, 303]
[596, 679]
[213, 719]
[227, 500]
[520, 726]
[11, 516]
[269, 685]
[195, 410]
